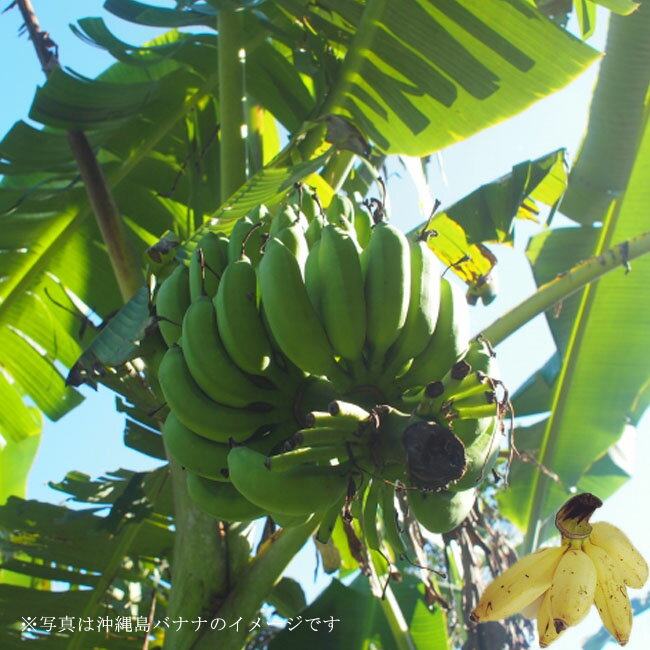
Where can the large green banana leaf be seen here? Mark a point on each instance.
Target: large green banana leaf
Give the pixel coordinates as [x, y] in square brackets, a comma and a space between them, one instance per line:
[152, 119]
[601, 334]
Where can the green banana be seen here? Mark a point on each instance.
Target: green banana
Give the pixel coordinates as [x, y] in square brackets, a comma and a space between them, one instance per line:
[285, 218]
[343, 306]
[314, 230]
[313, 278]
[424, 304]
[221, 500]
[363, 226]
[387, 278]
[392, 534]
[206, 269]
[297, 491]
[324, 436]
[209, 363]
[201, 414]
[200, 455]
[447, 344]
[291, 317]
[293, 237]
[340, 211]
[172, 299]
[440, 512]
[369, 515]
[309, 205]
[304, 455]
[240, 325]
[238, 235]
[481, 440]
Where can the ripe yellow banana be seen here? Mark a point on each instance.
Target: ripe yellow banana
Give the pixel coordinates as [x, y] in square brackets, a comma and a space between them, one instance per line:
[545, 624]
[630, 564]
[297, 491]
[519, 585]
[573, 589]
[172, 299]
[611, 597]
[343, 306]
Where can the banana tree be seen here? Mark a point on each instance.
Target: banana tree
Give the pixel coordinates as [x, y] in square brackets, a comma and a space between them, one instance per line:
[155, 144]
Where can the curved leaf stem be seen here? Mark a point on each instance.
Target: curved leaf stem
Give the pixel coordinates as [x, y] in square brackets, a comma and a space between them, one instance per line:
[566, 284]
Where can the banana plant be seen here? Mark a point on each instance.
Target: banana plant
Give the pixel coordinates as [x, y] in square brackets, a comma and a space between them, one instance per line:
[344, 81]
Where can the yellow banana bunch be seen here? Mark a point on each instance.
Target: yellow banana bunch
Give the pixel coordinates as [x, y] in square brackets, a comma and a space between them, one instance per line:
[558, 585]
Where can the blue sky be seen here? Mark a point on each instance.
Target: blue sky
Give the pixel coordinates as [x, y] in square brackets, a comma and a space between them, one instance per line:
[90, 438]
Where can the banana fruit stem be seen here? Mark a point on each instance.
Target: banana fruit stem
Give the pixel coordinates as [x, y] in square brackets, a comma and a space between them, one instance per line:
[565, 284]
[254, 584]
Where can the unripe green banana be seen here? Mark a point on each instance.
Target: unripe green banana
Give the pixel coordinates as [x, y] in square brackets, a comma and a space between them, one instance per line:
[422, 315]
[343, 305]
[285, 218]
[448, 343]
[238, 234]
[313, 232]
[201, 414]
[309, 206]
[392, 534]
[481, 440]
[172, 299]
[320, 455]
[206, 268]
[221, 500]
[369, 515]
[211, 366]
[293, 238]
[313, 278]
[288, 521]
[297, 491]
[200, 455]
[440, 512]
[340, 211]
[238, 318]
[387, 277]
[292, 319]
[325, 436]
[363, 226]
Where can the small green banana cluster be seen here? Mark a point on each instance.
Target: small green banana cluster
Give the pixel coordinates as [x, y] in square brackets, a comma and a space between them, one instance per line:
[316, 360]
[558, 585]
